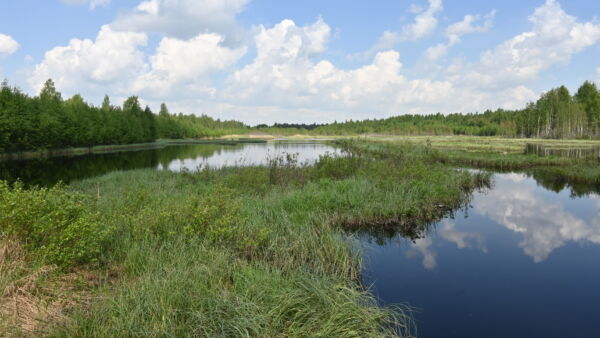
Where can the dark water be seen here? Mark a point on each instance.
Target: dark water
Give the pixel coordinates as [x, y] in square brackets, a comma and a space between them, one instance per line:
[49, 171]
[522, 261]
[541, 150]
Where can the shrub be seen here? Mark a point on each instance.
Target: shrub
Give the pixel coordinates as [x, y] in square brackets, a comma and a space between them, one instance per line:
[284, 169]
[330, 166]
[57, 225]
[219, 218]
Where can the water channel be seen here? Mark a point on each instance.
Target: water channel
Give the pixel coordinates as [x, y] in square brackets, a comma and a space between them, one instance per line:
[520, 261]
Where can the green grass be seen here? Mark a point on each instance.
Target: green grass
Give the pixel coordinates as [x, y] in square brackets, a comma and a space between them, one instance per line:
[254, 251]
[571, 170]
[487, 144]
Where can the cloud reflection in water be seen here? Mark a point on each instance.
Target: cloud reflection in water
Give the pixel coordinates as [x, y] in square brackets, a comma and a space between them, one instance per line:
[542, 220]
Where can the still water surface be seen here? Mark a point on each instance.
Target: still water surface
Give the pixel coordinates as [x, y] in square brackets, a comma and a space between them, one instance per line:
[521, 261]
[176, 158]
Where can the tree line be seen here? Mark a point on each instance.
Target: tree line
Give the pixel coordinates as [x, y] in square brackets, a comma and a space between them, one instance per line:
[47, 121]
[556, 114]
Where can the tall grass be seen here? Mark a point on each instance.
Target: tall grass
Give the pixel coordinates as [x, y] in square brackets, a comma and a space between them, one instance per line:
[576, 170]
[255, 251]
[183, 290]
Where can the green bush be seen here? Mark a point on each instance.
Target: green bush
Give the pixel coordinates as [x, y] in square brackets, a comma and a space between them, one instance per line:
[219, 218]
[215, 216]
[55, 224]
[334, 167]
[284, 169]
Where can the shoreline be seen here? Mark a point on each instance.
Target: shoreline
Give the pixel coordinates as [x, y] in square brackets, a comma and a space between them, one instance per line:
[105, 149]
[456, 142]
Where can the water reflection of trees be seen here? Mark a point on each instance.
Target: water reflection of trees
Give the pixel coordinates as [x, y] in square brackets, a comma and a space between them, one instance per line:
[547, 178]
[52, 170]
[541, 150]
[389, 232]
[412, 232]
[556, 183]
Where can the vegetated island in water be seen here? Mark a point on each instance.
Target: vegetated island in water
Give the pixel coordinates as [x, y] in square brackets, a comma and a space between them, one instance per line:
[256, 251]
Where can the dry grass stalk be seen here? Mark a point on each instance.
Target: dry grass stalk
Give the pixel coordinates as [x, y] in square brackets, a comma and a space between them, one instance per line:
[32, 300]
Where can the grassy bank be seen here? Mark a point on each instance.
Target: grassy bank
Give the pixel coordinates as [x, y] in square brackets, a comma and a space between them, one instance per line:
[486, 143]
[490, 144]
[255, 251]
[582, 175]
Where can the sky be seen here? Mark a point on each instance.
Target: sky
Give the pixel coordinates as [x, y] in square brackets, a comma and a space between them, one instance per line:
[265, 61]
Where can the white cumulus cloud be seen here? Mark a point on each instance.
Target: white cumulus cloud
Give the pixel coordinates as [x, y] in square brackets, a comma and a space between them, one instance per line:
[543, 225]
[183, 65]
[288, 74]
[183, 18]
[469, 24]
[424, 24]
[555, 37]
[289, 79]
[8, 45]
[92, 3]
[109, 61]
[114, 63]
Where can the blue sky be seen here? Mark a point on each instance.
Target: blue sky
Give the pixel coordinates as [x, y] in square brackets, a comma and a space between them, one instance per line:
[302, 61]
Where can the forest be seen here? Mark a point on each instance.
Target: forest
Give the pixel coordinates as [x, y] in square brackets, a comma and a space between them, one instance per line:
[47, 121]
[556, 114]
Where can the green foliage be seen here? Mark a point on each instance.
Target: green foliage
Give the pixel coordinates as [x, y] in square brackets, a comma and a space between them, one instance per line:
[556, 114]
[55, 224]
[284, 169]
[217, 216]
[329, 166]
[49, 122]
[589, 97]
[190, 126]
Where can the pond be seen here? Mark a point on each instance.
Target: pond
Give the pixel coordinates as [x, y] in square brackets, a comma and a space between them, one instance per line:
[520, 261]
[50, 171]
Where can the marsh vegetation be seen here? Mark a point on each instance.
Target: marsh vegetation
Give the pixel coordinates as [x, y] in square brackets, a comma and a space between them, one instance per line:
[257, 250]
[263, 249]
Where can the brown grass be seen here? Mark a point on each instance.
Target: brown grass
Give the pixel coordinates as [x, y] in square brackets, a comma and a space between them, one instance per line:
[34, 299]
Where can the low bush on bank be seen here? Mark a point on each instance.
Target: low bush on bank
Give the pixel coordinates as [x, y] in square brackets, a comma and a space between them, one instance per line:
[57, 225]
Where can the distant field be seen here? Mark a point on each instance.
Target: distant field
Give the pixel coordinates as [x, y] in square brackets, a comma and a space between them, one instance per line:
[469, 143]
[484, 143]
